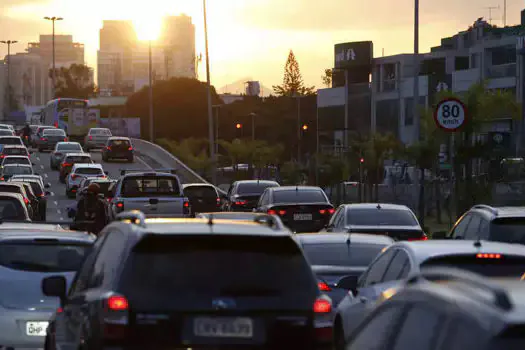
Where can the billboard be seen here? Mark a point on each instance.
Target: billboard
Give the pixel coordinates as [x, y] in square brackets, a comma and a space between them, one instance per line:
[129, 127]
[354, 54]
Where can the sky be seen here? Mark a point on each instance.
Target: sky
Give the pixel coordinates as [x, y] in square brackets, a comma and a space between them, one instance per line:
[252, 38]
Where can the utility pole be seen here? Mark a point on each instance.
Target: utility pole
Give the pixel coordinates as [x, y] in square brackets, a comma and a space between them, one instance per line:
[253, 125]
[298, 128]
[53, 75]
[150, 90]
[210, 109]
[9, 96]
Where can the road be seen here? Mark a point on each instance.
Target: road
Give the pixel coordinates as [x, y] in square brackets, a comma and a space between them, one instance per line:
[58, 202]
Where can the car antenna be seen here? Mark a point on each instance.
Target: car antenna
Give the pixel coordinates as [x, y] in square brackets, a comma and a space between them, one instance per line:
[378, 206]
[477, 243]
[210, 220]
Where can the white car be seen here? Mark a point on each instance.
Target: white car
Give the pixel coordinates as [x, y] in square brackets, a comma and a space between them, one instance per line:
[96, 138]
[16, 160]
[80, 171]
[7, 126]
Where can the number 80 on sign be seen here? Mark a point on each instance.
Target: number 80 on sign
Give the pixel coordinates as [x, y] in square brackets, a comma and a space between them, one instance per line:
[450, 114]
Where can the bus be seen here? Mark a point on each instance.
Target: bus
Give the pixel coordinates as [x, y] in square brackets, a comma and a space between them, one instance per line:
[56, 111]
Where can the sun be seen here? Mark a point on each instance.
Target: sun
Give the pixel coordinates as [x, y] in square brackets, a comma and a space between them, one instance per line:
[148, 28]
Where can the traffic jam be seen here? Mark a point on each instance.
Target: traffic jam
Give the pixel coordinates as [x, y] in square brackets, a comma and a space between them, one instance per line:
[147, 261]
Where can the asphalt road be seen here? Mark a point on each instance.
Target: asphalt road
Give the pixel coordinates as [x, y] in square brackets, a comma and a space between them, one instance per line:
[58, 202]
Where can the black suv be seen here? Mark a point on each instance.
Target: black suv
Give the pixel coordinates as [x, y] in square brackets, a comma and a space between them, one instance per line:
[244, 195]
[118, 148]
[191, 283]
[483, 222]
[447, 309]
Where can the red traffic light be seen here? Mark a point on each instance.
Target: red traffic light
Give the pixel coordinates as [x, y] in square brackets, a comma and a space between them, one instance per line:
[238, 126]
[362, 160]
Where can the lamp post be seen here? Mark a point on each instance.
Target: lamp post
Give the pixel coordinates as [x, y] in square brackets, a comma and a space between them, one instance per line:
[150, 93]
[53, 76]
[210, 109]
[253, 125]
[8, 43]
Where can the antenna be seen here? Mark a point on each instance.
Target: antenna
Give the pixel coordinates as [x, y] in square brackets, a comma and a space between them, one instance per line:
[490, 8]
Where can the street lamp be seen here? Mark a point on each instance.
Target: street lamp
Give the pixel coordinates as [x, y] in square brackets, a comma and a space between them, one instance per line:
[53, 20]
[210, 109]
[8, 43]
[150, 93]
[253, 125]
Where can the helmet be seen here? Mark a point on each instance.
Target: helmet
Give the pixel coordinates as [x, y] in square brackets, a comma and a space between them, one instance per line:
[93, 188]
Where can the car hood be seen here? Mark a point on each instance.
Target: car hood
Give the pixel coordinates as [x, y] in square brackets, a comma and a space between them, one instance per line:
[22, 290]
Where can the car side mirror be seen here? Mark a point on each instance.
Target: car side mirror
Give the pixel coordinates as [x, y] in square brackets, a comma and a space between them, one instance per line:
[349, 283]
[55, 286]
[439, 235]
[48, 185]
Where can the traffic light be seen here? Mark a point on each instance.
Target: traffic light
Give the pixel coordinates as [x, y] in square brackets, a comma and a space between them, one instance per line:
[304, 127]
[238, 126]
[238, 130]
[362, 160]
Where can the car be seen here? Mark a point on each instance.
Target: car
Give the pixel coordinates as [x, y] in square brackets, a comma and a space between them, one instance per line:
[12, 187]
[338, 260]
[6, 132]
[265, 219]
[447, 309]
[13, 207]
[394, 220]
[39, 190]
[70, 159]
[244, 195]
[78, 172]
[33, 200]
[301, 208]
[11, 140]
[14, 150]
[49, 138]
[7, 127]
[118, 147]
[157, 193]
[60, 151]
[33, 177]
[404, 259]
[29, 253]
[36, 135]
[106, 187]
[203, 197]
[15, 169]
[484, 222]
[96, 138]
[23, 160]
[148, 285]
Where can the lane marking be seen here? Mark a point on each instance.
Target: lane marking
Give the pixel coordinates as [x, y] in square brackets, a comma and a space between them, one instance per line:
[45, 175]
[143, 162]
[52, 194]
[59, 211]
[38, 158]
[56, 203]
[61, 218]
[41, 166]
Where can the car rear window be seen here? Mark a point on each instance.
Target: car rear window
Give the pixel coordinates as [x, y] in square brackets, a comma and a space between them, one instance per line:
[17, 160]
[69, 147]
[200, 192]
[299, 196]
[10, 141]
[104, 186]
[10, 188]
[253, 187]
[78, 159]
[89, 171]
[6, 132]
[120, 143]
[508, 230]
[191, 266]
[11, 209]
[14, 151]
[503, 266]
[44, 256]
[24, 170]
[341, 254]
[146, 186]
[376, 217]
[54, 132]
[37, 189]
[100, 132]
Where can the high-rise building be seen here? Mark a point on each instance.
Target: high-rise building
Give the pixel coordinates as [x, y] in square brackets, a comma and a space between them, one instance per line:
[29, 79]
[177, 42]
[67, 52]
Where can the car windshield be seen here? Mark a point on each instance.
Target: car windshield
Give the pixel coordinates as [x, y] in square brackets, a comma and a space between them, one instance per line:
[43, 256]
[11, 209]
[10, 141]
[78, 159]
[147, 186]
[340, 254]
[54, 132]
[69, 147]
[9, 170]
[299, 196]
[503, 266]
[100, 132]
[375, 217]
[89, 171]
[255, 188]
[509, 230]
[16, 160]
[120, 143]
[200, 192]
[14, 151]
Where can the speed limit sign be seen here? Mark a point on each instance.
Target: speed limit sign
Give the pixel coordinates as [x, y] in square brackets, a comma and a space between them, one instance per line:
[450, 114]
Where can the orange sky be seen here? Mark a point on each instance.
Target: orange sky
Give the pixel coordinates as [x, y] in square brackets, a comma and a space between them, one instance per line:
[251, 38]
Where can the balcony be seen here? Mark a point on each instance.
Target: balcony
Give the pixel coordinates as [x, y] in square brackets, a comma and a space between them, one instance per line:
[502, 71]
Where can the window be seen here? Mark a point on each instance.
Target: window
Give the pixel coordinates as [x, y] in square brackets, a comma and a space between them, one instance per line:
[200, 192]
[472, 229]
[108, 260]
[78, 160]
[340, 254]
[147, 186]
[80, 282]
[16, 160]
[508, 230]
[461, 226]
[301, 196]
[54, 132]
[255, 188]
[374, 217]
[483, 231]
[100, 132]
[397, 268]
[504, 266]
[377, 331]
[11, 209]
[89, 171]
[15, 169]
[377, 269]
[420, 329]
[120, 143]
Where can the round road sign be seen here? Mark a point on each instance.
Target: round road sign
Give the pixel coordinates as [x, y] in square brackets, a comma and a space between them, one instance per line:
[450, 114]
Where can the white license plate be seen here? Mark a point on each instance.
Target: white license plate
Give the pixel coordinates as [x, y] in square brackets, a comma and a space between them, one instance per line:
[223, 327]
[36, 329]
[302, 217]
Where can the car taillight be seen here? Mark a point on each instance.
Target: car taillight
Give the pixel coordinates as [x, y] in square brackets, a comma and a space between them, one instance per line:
[2, 156]
[331, 211]
[327, 211]
[109, 199]
[424, 237]
[91, 138]
[26, 201]
[186, 207]
[108, 148]
[282, 212]
[322, 306]
[65, 139]
[272, 212]
[42, 195]
[74, 176]
[120, 205]
[60, 310]
[218, 201]
[116, 317]
[2, 178]
[130, 148]
[43, 139]
[240, 202]
[323, 287]
[66, 164]
[488, 256]
[117, 303]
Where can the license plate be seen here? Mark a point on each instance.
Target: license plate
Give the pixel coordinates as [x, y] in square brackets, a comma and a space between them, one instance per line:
[302, 217]
[36, 329]
[240, 327]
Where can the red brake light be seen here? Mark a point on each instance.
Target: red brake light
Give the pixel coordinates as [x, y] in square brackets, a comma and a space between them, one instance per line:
[60, 310]
[74, 176]
[120, 205]
[108, 148]
[117, 303]
[42, 195]
[218, 201]
[422, 238]
[322, 211]
[331, 210]
[43, 139]
[323, 287]
[322, 306]
[2, 156]
[65, 139]
[272, 212]
[26, 201]
[186, 204]
[488, 256]
[66, 164]
[282, 212]
[130, 148]
[241, 202]
[91, 138]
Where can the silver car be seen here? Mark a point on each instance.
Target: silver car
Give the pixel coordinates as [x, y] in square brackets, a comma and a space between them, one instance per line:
[49, 138]
[96, 138]
[29, 253]
[60, 151]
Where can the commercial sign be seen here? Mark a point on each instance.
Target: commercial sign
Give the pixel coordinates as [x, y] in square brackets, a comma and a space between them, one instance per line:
[354, 54]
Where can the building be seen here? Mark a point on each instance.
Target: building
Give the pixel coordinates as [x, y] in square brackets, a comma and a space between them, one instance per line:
[29, 78]
[67, 52]
[177, 42]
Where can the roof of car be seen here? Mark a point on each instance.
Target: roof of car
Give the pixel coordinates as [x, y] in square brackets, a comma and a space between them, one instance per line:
[119, 138]
[78, 154]
[296, 188]
[29, 231]
[377, 206]
[256, 181]
[12, 195]
[140, 173]
[98, 129]
[336, 238]
[500, 212]
[198, 185]
[85, 165]
[17, 165]
[14, 146]
[28, 177]
[9, 137]
[54, 129]
[16, 156]
[67, 143]
[423, 250]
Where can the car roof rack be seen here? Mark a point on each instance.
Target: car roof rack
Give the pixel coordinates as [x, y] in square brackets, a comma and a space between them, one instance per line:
[268, 220]
[133, 216]
[169, 171]
[435, 274]
[486, 207]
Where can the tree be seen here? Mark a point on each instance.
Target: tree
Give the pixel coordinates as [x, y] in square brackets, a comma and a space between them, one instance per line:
[327, 78]
[293, 84]
[74, 82]
[192, 152]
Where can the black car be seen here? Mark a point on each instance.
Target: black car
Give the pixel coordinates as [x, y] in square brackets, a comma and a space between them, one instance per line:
[457, 310]
[118, 148]
[40, 193]
[301, 208]
[191, 283]
[203, 198]
[244, 195]
[483, 222]
[393, 220]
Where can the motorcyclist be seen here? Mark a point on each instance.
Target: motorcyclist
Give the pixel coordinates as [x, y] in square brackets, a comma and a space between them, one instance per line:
[26, 133]
[91, 214]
